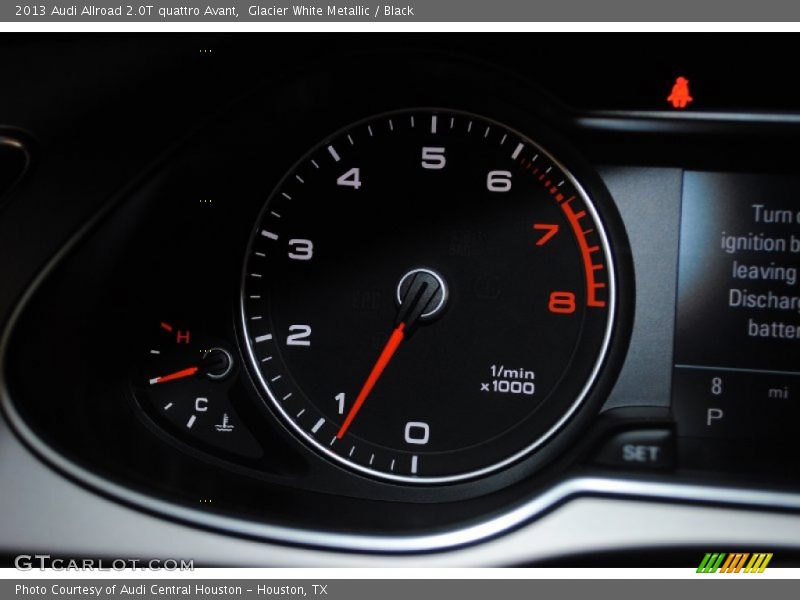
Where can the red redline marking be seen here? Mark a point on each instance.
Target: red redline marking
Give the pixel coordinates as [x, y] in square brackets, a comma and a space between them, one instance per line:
[586, 251]
[574, 220]
[166, 326]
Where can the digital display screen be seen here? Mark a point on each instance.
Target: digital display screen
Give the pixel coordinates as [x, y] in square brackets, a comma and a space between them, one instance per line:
[737, 342]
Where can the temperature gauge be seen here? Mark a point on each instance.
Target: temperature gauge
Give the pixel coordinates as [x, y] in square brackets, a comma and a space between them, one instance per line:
[183, 384]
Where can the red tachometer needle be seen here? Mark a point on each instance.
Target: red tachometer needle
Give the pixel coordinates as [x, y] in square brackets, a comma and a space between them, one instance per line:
[176, 375]
[383, 360]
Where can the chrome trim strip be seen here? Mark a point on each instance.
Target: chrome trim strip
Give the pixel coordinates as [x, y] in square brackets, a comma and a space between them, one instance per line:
[12, 142]
[560, 493]
[678, 116]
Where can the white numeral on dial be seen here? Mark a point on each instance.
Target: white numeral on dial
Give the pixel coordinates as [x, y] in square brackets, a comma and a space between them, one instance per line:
[351, 178]
[300, 337]
[498, 181]
[433, 158]
[417, 433]
[301, 249]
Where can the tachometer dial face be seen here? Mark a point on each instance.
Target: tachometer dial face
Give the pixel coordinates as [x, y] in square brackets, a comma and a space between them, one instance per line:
[428, 296]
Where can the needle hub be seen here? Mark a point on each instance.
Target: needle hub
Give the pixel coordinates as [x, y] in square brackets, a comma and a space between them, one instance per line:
[217, 364]
[421, 297]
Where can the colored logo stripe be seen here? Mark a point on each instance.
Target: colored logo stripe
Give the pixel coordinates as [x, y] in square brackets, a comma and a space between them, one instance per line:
[734, 563]
[758, 563]
[711, 562]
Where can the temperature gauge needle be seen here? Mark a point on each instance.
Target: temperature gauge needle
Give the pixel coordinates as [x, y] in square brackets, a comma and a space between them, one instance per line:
[176, 375]
[386, 355]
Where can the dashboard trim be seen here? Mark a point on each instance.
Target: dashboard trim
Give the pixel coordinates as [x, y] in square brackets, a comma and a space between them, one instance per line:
[436, 542]
[719, 116]
[663, 122]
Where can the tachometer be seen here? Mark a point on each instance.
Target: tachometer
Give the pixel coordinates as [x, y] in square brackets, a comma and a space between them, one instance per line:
[428, 296]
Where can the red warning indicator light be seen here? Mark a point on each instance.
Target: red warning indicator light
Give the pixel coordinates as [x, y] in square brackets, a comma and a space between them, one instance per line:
[680, 97]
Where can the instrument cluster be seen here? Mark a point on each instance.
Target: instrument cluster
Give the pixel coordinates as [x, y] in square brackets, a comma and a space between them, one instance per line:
[422, 302]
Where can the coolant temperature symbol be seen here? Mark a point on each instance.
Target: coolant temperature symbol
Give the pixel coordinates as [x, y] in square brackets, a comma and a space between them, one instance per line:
[225, 426]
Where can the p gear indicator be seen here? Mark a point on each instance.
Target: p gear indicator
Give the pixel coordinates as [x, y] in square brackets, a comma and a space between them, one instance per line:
[451, 307]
